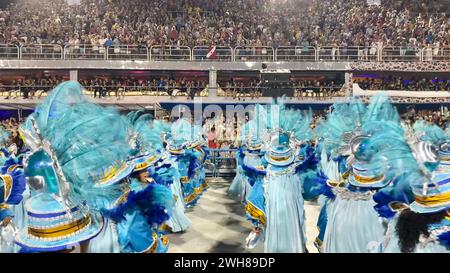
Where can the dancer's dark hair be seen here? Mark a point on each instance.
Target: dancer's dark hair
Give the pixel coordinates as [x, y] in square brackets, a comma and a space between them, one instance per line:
[411, 225]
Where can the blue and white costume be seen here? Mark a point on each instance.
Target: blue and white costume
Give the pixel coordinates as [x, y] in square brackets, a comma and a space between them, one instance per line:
[429, 180]
[378, 152]
[276, 202]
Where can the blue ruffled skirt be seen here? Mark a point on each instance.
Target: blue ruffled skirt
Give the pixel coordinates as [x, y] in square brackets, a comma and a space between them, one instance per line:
[107, 241]
[178, 221]
[285, 230]
[240, 188]
[353, 226]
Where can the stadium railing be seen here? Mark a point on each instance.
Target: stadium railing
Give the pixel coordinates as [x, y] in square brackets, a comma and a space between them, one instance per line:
[127, 52]
[254, 53]
[222, 163]
[41, 52]
[8, 51]
[25, 90]
[225, 53]
[205, 53]
[170, 53]
[401, 54]
[350, 53]
[297, 53]
[435, 54]
[85, 52]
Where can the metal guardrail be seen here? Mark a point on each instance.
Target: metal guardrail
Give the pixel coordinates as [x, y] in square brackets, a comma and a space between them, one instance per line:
[127, 52]
[223, 163]
[298, 53]
[41, 52]
[254, 53]
[351, 53]
[204, 53]
[435, 54]
[152, 90]
[401, 54]
[8, 52]
[224, 53]
[170, 53]
[85, 52]
[299, 91]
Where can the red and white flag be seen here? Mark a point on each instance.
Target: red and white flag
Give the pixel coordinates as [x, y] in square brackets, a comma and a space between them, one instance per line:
[212, 53]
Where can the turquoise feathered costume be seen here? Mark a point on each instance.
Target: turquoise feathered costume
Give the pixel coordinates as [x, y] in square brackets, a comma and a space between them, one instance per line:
[282, 217]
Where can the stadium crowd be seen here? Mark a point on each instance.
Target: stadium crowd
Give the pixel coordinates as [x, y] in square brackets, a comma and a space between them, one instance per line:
[103, 86]
[406, 23]
[399, 83]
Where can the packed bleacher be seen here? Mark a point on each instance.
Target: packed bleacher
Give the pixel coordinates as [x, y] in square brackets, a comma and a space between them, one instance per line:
[407, 23]
[399, 83]
[106, 86]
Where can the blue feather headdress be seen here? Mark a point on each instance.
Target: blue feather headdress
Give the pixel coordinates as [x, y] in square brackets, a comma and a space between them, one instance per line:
[340, 126]
[379, 151]
[381, 109]
[182, 131]
[292, 122]
[89, 144]
[147, 139]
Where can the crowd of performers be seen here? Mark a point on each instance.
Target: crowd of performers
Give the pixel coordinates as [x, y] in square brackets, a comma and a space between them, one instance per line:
[92, 180]
[382, 185]
[89, 179]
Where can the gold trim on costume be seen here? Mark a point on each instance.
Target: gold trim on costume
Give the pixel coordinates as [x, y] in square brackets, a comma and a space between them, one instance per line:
[346, 175]
[368, 180]
[62, 230]
[4, 206]
[255, 213]
[319, 242]
[196, 193]
[122, 198]
[165, 227]
[184, 179]
[111, 173]
[144, 164]
[12, 168]
[164, 240]
[278, 159]
[334, 183]
[154, 245]
[433, 200]
[7, 179]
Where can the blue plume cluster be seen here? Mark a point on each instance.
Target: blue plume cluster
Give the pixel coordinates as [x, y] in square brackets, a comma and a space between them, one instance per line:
[155, 202]
[444, 239]
[18, 187]
[345, 117]
[87, 138]
[315, 184]
[429, 132]
[381, 109]
[148, 139]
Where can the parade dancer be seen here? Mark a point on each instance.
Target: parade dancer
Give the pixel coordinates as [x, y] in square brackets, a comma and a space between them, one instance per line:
[153, 165]
[332, 165]
[378, 153]
[282, 219]
[250, 154]
[12, 187]
[424, 225]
